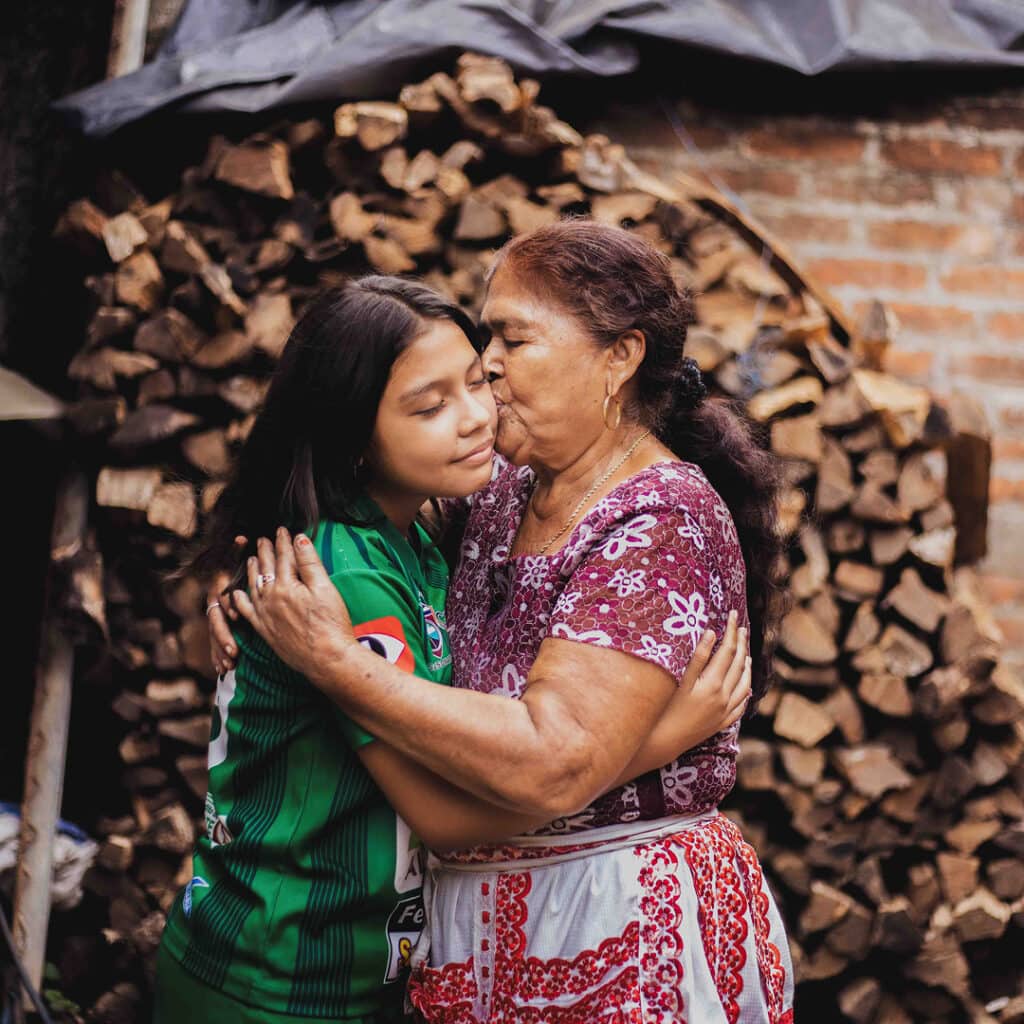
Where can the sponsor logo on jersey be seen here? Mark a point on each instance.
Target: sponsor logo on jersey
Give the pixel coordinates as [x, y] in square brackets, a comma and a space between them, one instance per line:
[217, 830]
[387, 638]
[186, 900]
[403, 931]
[408, 858]
[435, 631]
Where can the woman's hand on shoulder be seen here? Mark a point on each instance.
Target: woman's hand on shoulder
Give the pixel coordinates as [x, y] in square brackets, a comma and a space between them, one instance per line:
[714, 690]
[711, 696]
[219, 610]
[293, 604]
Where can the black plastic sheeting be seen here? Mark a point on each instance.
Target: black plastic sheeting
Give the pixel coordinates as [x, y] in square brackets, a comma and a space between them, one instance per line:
[254, 55]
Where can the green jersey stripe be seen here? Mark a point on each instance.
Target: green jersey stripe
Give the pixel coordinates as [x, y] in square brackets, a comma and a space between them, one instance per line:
[360, 546]
[327, 548]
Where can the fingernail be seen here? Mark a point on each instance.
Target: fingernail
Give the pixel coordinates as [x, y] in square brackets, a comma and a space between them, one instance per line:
[732, 615]
[231, 651]
[302, 539]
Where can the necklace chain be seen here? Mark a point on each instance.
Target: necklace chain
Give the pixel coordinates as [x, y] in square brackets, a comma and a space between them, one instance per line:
[586, 497]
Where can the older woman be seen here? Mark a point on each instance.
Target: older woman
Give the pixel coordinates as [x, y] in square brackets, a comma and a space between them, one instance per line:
[630, 516]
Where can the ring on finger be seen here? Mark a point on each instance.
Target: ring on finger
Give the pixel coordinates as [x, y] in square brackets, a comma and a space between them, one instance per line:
[264, 580]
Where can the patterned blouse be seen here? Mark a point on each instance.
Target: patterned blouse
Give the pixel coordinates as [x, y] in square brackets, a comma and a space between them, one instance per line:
[655, 563]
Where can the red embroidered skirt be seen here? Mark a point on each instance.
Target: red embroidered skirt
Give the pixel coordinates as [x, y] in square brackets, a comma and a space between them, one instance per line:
[667, 922]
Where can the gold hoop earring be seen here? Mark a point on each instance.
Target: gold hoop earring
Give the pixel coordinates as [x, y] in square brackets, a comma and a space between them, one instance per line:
[618, 413]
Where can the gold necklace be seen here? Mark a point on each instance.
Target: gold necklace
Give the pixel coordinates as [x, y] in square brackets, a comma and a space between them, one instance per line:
[586, 497]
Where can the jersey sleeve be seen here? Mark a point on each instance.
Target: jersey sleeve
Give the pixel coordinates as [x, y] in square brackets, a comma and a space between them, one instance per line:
[646, 589]
[386, 619]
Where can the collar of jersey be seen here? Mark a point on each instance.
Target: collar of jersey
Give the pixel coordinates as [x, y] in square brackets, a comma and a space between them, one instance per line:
[406, 551]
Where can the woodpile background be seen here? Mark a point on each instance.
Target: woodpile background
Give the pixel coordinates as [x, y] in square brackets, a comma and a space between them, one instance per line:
[882, 781]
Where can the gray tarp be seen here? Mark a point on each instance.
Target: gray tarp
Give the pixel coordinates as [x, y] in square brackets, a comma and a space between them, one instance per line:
[253, 55]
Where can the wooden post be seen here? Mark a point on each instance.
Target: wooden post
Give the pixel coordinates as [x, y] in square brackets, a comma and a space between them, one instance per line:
[47, 748]
[128, 37]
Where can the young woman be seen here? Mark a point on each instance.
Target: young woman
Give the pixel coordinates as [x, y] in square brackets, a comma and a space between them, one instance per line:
[305, 901]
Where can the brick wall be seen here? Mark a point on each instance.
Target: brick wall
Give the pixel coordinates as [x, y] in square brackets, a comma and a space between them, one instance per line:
[922, 207]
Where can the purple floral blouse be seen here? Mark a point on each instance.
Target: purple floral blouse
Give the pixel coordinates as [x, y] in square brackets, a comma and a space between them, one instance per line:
[646, 571]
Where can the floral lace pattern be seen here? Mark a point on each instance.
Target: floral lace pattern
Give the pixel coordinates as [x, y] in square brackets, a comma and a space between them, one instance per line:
[699, 944]
[655, 563]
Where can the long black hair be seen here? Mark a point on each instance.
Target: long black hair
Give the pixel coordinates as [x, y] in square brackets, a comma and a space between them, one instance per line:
[303, 459]
[613, 281]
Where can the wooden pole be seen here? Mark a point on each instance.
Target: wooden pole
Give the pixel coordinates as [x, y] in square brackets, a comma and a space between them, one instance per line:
[47, 748]
[128, 37]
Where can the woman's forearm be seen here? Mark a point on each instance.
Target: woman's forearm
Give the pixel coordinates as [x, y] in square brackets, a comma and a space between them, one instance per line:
[664, 744]
[517, 754]
[443, 816]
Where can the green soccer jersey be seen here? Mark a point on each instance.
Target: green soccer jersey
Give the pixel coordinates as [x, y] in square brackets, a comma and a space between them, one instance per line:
[306, 890]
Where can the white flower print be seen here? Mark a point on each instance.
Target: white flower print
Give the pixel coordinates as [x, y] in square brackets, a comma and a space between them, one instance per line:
[512, 682]
[576, 549]
[534, 570]
[691, 617]
[715, 590]
[737, 577]
[648, 499]
[721, 513]
[471, 550]
[676, 782]
[650, 648]
[566, 604]
[628, 582]
[633, 534]
[691, 531]
[500, 553]
[598, 637]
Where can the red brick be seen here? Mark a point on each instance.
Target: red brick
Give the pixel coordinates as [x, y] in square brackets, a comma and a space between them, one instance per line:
[902, 362]
[1006, 325]
[989, 279]
[912, 234]
[805, 143]
[757, 179]
[887, 189]
[919, 319]
[1001, 488]
[985, 198]
[1012, 628]
[805, 227]
[1012, 418]
[990, 367]
[1002, 589]
[869, 273]
[1008, 448]
[991, 113]
[941, 156]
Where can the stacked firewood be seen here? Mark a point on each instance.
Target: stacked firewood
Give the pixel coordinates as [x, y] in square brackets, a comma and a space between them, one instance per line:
[882, 779]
